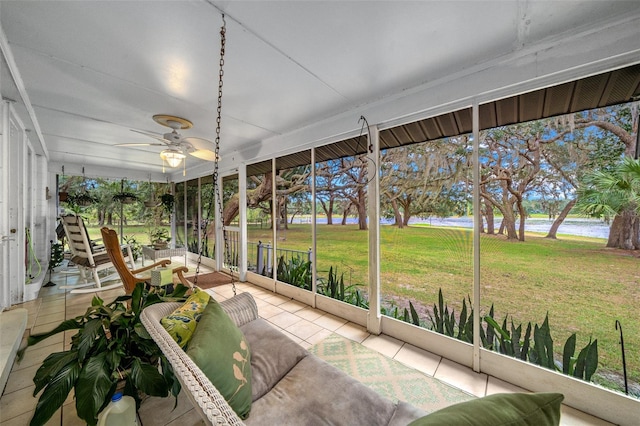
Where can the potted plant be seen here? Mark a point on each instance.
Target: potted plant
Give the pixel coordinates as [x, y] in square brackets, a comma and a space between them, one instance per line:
[125, 197]
[160, 238]
[167, 201]
[83, 199]
[112, 349]
[136, 247]
[152, 202]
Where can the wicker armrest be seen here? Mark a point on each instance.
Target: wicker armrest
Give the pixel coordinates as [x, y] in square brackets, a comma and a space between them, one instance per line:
[212, 406]
[241, 308]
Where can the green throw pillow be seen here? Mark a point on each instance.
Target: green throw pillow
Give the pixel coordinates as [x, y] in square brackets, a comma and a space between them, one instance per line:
[219, 348]
[181, 323]
[535, 409]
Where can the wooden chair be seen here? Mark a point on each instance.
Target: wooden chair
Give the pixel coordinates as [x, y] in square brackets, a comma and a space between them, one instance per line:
[128, 276]
[86, 255]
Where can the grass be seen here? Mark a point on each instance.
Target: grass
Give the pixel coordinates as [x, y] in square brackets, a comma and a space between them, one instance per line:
[582, 285]
[139, 232]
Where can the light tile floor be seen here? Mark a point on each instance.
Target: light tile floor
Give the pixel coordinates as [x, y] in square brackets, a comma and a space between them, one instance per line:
[305, 325]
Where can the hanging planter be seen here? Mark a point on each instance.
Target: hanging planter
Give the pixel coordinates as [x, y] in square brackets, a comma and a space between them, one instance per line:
[83, 199]
[167, 201]
[125, 197]
[62, 195]
[152, 202]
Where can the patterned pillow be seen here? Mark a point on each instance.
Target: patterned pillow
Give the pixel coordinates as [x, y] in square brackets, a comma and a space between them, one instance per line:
[181, 323]
[221, 351]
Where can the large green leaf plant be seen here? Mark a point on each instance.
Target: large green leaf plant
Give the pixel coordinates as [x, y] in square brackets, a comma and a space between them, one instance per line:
[111, 347]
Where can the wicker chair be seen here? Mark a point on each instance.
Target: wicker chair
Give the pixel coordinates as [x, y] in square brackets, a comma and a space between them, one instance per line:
[128, 276]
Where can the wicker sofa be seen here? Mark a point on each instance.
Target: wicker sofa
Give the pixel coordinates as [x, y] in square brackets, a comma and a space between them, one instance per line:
[290, 385]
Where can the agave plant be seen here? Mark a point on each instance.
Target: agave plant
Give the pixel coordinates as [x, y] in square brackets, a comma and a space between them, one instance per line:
[296, 272]
[112, 348]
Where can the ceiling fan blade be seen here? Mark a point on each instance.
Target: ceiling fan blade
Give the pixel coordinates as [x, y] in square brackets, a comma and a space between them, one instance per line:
[152, 135]
[140, 144]
[204, 154]
[201, 148]
[200, 143]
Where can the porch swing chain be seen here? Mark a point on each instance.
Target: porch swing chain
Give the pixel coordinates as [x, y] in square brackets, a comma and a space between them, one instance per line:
[217, 195]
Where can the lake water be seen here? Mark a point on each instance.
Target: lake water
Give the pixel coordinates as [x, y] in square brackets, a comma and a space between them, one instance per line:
[574, 226]
[582, 226]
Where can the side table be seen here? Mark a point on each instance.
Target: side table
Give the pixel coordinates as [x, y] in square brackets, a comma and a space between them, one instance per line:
[153, 254]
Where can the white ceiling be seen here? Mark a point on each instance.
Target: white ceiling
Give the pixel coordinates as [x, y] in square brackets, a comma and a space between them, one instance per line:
[94, 70]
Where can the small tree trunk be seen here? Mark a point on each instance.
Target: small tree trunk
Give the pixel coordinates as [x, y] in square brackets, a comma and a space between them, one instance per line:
[407, 216]
[561, 217]
[396, 214]
[523, 215]
[362, 210]
[509, 224]
[488, 213]
[230, 210]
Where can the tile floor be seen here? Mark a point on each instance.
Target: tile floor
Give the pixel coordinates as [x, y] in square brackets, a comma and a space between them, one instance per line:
[300, 322]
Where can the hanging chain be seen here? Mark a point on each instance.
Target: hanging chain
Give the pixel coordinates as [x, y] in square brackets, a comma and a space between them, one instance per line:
[227, 257]
[217, 193]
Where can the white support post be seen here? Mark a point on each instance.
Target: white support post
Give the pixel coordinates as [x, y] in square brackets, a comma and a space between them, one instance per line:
[242, 234]
[5, 236]
[477, 222]
[199, 234]
[274, 220]
[373, 154]
[314, 246]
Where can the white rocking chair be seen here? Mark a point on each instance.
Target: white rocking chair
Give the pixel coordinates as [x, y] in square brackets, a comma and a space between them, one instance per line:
[88, 257]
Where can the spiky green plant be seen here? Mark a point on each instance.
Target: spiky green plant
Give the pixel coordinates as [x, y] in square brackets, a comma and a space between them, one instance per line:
[296, 272]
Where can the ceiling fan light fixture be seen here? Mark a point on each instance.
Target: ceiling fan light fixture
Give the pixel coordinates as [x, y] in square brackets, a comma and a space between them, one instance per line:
[173, 157]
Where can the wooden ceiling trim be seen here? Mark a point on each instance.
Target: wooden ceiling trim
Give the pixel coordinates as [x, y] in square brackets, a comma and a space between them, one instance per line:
[447, 123]
[416, 132]
[622, 85]
[597, 91]
[531, 105]
[488, 116]
[463, 121]
[558, 99]
[507, 111]
[432, 129]
[259, 168]
[396, 136]
[588, 92]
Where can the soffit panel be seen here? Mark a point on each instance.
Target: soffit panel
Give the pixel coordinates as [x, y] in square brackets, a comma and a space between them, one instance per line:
[259, 168]
[596, 91]
[601, 90]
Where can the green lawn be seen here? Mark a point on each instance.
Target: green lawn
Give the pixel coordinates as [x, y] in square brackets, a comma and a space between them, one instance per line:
[583, 286]
[139, 232]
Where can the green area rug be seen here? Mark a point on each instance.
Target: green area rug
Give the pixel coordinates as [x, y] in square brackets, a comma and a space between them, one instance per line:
[388, 377]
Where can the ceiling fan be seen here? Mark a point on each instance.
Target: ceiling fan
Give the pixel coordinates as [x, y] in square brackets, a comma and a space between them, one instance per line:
[175, 144]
